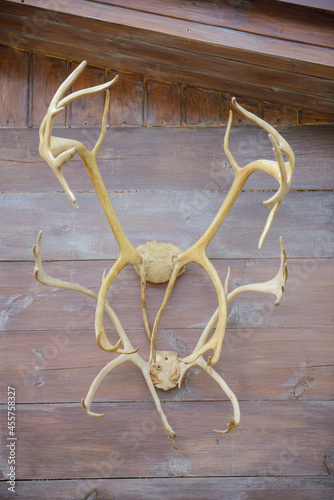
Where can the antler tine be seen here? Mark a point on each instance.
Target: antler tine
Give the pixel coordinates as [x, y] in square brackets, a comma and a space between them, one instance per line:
[284, 187]
[66, 147]
[276, 286]
[87, 401]
[228, 153]
[169, 288]
[216, 341]
[143, 301]
[235, 420]
[145, 369]
[102, 341]
[280, 170]
[284, 145]
[53, 108]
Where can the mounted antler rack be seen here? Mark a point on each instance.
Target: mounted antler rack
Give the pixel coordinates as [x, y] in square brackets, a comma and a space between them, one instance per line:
[162, 262]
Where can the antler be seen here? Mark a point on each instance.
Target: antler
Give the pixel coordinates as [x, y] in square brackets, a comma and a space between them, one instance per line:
[161, 262]
[275, 286]
[43, 277]
[282, 172]
[66, 149]
[145, 368]
[57, 151]
[129, 354]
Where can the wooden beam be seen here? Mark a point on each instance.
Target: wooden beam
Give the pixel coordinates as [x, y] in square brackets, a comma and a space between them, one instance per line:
[275, 69]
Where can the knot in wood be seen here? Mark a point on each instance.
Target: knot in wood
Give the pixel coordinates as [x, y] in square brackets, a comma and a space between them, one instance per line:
[159, 260]
[165, 372]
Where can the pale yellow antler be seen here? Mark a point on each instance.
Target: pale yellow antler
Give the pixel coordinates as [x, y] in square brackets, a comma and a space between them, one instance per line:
[159, 263]
[282, 172]
[145, 369]
[43, 277]
[57, 151]
[275, 286]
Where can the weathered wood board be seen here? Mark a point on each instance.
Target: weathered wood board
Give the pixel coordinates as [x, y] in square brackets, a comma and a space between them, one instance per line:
[181, 218]
[183, 488]
[178, 46]
[161, 159]
[27, 305]
[277, 364]
[61, 440]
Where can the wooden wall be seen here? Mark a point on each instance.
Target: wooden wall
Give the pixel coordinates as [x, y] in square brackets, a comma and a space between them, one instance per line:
[263, 48]
[32, 78]
[166, 172]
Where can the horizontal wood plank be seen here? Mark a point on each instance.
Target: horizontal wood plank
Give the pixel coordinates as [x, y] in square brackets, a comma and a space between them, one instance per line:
[62, 442]
[264, 18]
[304, 220]
[172, 49]
[258, 364]
[209, 488]
[167, 159]
[28, 305]
[152, 27]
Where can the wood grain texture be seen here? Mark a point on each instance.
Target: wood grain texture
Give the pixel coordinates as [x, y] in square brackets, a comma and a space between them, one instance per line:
[27, 305]
[62, 441]
[197, 106]
[201, 107]
[261, 17]
[277, 364]
[293, 73]
[14, 66]
[47, 73]
[179, 218]
[167, 159]
[307, 117]
[126, 101]
[212, 488]
[280, 115]
[150, 26]
[162, 103]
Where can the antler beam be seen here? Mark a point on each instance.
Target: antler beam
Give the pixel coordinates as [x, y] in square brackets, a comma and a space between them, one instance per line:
[282, 172]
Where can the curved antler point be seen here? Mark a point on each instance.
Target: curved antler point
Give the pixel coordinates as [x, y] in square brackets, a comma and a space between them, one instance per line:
[90, 413]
